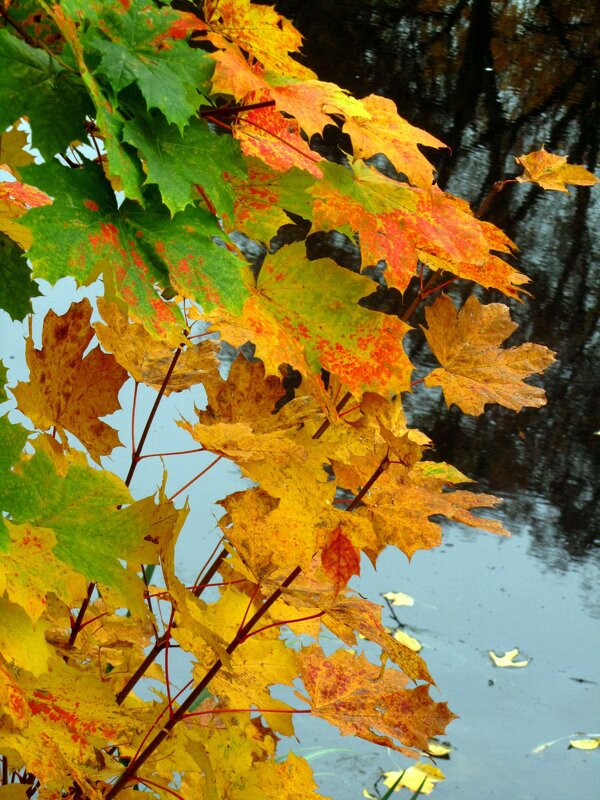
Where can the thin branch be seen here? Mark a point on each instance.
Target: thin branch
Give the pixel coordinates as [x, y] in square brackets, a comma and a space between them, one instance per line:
[326, 423]
[76, 627]
[247, 710]
[138, 761]
[194, 479]
[211, 572]
[135, 458]
[227, 111]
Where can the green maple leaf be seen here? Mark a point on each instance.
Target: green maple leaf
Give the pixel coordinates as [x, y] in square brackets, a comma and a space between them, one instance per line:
[133, 44]
[85, 229]
[34, 85]
[16, 286]
[3, 375]
[176, 161]
[79, 504]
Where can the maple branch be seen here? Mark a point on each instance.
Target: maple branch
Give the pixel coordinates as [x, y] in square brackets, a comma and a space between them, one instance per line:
[175, 453]
[489, 198]
[4, 778]
[279, 138]
[227, 111]
[385, 462]
[158, 645]
[326, 423]
[76, 627]
[195, 478]
[284, 622]
[248, 710]
[212, 571]
[134, 765]
[147, 782]
[135, 458]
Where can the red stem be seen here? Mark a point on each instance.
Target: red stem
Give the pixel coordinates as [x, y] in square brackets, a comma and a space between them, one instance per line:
[248, 710]
[199, 475]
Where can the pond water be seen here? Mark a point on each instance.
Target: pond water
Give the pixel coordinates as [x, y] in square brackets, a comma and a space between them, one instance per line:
[493, 80]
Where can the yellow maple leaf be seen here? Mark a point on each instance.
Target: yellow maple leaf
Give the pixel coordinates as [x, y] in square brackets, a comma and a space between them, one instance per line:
[148, 359]
[552, 171]
[475, 369]
[67, 390]
[384, 131]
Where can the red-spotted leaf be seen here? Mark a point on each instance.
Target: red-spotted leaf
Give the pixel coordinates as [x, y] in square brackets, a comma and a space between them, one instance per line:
[85, 230]
[340, 559]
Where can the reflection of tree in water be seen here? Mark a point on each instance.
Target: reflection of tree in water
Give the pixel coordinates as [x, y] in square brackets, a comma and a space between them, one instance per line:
[493, 80]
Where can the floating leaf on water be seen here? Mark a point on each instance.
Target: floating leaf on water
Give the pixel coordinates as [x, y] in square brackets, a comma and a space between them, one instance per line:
[399, 599]
[507, 659]
[414, 776]
[440, 749]
[585, 744]
[408, 640]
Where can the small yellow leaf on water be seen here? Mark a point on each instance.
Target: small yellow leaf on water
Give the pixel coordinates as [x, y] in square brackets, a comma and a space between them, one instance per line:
[368, 795]
[439, 749]
[507, 660]
[409, 641]
[585, 744]
[399, 599]
[414, 776]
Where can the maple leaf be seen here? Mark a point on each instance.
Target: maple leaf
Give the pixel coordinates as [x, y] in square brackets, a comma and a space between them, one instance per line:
[33, 84]
[240, 421]
[402, 225]
[65, 730]
[79, 505]
[374, 704]
[177, 162]
[12, 154]
[352, 614]
[147, 359]
[16, 286]
[261, 200]
[29, 571]
[384, 131]
[68, 391]
[259, 30]
[15, 200]
[306, 313]
[552, 171]
[340, 559]
[85, 229]
[475, 370]
[23, 643]
[265, 133]
[133, 52]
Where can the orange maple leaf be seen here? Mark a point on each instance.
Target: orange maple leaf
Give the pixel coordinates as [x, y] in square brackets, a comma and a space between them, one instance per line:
[552, 171]
[68, 391]
[374, 704]
[475, 369]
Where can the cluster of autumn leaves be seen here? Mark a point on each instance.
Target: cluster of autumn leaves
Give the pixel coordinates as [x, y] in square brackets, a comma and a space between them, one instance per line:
[150, 203]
